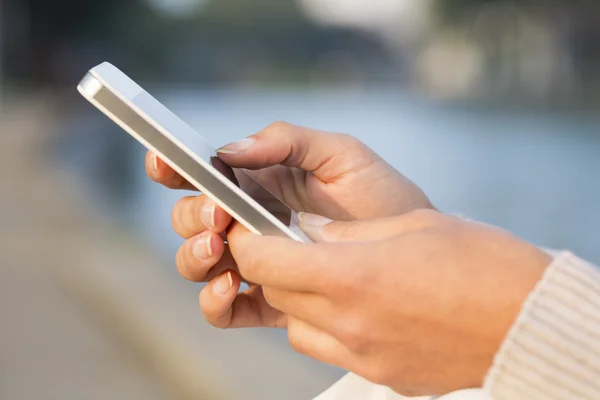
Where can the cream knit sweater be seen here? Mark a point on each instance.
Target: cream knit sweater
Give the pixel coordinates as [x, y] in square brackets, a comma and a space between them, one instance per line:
[552, 351]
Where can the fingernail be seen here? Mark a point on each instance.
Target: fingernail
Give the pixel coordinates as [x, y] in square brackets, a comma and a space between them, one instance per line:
[313, 219]
[208, 215]
[202, 248]
[237, 147]
[223, 284]
[153, 164]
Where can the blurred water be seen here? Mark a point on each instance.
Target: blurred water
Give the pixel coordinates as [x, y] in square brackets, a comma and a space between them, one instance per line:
[535, 174]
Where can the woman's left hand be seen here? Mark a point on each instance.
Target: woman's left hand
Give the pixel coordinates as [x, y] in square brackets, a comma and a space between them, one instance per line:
[419, 302]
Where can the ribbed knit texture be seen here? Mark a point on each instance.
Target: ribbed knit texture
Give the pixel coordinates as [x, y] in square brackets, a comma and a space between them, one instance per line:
[552, 352]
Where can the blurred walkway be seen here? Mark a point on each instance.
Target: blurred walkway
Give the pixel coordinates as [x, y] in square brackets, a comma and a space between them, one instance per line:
[50, 347]
[88, 312]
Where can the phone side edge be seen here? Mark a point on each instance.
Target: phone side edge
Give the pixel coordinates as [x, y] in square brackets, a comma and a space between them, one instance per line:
[90, 86]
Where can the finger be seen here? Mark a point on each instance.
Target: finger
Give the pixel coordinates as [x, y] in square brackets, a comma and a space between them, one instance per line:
[217, 297]
[161, 173]
[225, 308]
[322, 229]
[298, 147]
[315, 343]
[311, 308]
[194, 214]
[284, 263]
[198, 256]
[225, 263]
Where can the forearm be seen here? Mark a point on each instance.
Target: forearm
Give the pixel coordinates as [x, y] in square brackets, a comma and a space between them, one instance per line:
[553, 349]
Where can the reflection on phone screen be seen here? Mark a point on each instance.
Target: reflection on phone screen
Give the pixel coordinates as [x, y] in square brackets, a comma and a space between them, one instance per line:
[252, 188]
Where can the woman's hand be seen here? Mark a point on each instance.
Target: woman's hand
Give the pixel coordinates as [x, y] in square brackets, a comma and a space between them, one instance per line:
[329, 174]
[419, 302]
[325, 173]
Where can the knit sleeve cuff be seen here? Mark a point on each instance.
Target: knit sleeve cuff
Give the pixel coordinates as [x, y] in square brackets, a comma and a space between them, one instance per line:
[552, 351]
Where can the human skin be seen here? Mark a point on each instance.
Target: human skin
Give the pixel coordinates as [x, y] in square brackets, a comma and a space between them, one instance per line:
[409, 298]
[328, 174]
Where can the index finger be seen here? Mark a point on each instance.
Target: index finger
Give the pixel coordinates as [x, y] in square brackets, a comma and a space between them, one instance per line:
[162, 173]
[283, 263]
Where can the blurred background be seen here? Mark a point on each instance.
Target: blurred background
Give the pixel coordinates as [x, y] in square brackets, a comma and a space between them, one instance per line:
[489, 105]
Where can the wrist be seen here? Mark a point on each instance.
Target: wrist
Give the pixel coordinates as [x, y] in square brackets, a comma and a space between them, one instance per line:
[530, 264]
[550, 348]
[515, 267]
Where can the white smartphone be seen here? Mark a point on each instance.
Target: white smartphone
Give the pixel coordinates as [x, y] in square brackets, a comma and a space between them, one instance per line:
[188, 153]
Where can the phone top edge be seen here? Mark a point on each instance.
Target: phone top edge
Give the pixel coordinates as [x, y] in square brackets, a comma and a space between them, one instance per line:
[116, 81]
[89, 86]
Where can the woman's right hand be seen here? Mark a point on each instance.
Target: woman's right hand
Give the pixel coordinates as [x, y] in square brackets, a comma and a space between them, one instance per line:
[329, 174]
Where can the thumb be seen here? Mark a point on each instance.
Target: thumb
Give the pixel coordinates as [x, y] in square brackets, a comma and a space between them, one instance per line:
[322, 229]
[326, 155]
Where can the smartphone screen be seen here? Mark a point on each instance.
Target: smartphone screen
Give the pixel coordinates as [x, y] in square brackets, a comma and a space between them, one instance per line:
[258, 192]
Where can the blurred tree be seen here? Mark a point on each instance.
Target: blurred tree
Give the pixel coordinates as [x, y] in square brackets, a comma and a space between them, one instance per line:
[55, 42]
[560, 35]
[450, 10]
[272, 39]
[37, 34]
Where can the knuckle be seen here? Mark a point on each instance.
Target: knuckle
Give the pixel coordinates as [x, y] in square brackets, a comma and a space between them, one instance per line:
[349, 230]
[173, 185]
[212, 319]
[212, 316]
[216, 321]
[188, 266]
[342, 288]
[186, 216]
[351, 333]
[345, 285]
[178, 215]
[278, 126]
[351, 143]
[178, 208]
[296, 342]
[270, 297]
[173, 181]
[247, 265]
[425, 217]
[169, 184]
[175, 217]
[348, 139]
[183, 263]
[180, 263]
